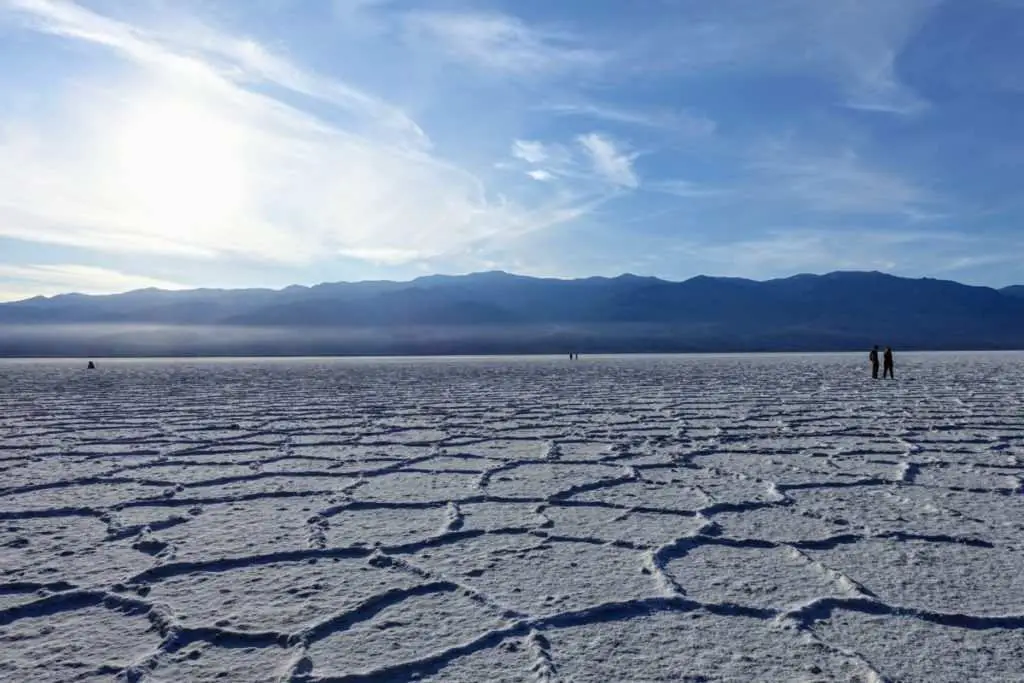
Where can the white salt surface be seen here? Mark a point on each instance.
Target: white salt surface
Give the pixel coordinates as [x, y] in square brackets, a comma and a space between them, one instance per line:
[777, 518]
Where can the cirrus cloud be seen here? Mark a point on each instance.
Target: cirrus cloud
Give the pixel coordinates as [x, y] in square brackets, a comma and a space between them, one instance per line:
[192, 156]
[609, 160]
[24, 281]
[504, 43]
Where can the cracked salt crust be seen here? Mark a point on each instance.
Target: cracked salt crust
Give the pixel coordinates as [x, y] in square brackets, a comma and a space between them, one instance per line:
[633, 519]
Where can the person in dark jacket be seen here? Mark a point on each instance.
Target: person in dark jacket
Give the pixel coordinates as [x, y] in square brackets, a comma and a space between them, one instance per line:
[887, 363]
[873, 357]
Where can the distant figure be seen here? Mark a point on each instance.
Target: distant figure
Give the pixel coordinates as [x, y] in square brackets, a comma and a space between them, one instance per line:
[887, 357]
[91, 366]
[873, 357]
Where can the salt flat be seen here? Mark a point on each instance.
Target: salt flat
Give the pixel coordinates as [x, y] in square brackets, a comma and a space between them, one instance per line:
[779, 518]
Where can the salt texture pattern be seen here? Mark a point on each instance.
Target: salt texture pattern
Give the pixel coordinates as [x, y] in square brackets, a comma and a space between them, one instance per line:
[609, 519]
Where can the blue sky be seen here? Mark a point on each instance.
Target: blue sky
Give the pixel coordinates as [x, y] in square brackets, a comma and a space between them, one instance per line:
[181, 143]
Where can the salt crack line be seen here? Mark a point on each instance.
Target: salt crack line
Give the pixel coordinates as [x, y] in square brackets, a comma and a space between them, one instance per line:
[147, 543]
[271, 474]
[552, 450]
[585, 540]
[70, 600]
[48, 513]
[810, 485]
[820, 609]
[367, 609]
[176, 636]
[846, 539]
[85, 481]
[225, 564]
[907, 472]
[654, 564]
[454, 519]
[630, 475]
[485, 477]
[872, 673]
[118, 532]
[844, 581]
[543, 521]
[743, 506]
[604, 612]
[299, 666]
[656, 560]
[707, 535]
[376, 504]
[39, 588]
[543, 668]
[317, 526]
[355, 551]
[778, 496]
[384, 561]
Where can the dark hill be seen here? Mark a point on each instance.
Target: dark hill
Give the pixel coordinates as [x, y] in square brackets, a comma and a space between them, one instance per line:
[498, 312]
[1014, 290]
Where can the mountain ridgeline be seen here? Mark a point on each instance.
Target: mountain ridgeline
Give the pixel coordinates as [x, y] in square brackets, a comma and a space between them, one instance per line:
[501, 313]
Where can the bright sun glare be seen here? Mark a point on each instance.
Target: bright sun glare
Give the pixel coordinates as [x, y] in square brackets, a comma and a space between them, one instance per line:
[179, 167]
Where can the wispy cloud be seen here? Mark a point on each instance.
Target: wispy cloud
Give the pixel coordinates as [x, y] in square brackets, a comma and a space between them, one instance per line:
[503, 43]
[786, 252]
[361, 16]
[591, 164]
[865, 41]
[24, 281]
[687, 189]
[277, 143]
[530, 151]
[385, 256]
[835, 183]
[193, 157]
[609, 161]
[674, 121]
[854, 43]
[960, 263]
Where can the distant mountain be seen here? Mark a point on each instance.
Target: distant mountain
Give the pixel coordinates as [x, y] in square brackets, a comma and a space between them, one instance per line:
[1014, 290]
[498, 312]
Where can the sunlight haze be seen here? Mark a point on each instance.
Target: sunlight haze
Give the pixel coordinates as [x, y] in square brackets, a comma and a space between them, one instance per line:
[223, 144]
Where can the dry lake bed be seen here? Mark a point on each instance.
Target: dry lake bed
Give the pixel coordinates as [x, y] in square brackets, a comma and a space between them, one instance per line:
[633, 519]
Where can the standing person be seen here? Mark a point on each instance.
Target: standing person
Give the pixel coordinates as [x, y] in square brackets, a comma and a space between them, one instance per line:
[888, 371]
[873, 357]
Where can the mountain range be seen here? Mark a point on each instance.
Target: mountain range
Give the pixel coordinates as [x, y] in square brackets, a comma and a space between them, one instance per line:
[497, 312]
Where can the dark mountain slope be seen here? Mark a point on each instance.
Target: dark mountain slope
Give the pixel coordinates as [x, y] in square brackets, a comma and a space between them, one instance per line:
[498, 312]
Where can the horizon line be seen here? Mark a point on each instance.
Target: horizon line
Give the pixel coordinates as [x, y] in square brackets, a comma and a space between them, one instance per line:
[506, 274]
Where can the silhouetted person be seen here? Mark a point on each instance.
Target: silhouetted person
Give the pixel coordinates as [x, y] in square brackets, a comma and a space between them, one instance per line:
[888, 371]
[91, 366]
[873, 357]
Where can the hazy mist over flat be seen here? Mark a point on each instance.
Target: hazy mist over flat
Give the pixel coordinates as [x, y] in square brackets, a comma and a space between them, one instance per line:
[499, 313]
